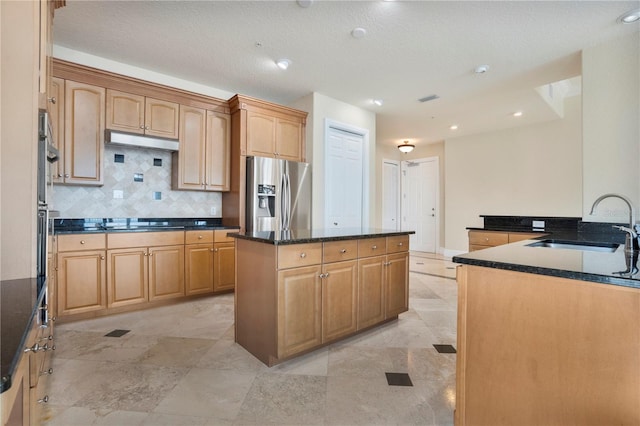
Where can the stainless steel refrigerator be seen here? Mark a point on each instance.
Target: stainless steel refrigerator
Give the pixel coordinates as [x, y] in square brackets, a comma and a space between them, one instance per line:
[278, 195]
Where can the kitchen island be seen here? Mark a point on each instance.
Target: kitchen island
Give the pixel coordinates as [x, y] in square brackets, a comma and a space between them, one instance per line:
[299, 290]
[548, 335]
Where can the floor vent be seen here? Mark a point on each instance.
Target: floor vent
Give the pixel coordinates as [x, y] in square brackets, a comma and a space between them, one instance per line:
[117, 333]
[445, 349]
[398, 379]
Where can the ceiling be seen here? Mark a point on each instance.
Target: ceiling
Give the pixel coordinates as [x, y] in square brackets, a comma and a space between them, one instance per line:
[411, 49]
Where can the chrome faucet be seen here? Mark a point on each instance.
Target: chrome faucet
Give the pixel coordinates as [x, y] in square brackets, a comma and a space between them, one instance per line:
[631, 241]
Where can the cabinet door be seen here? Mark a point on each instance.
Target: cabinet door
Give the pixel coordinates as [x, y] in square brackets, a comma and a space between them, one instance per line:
[81, 282]
[166, 272]
[299, 310]
[127, 276]
[56, 120]
[261, 134]
[371, 306]
[83, 133]
[397, 284]
[161, 118]
[198, 268]
[339, 299]
[224, 269]
[218, 151]
[191, 156]
[289, 140]
[125, 112]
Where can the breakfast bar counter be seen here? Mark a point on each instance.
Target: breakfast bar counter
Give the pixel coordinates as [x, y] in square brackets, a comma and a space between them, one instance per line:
[299, 290]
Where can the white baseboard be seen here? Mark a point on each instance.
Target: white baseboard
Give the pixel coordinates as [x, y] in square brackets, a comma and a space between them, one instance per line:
[450, 253]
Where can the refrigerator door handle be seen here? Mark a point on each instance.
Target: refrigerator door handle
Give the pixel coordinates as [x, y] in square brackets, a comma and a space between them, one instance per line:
[283, 192]
[288, 202]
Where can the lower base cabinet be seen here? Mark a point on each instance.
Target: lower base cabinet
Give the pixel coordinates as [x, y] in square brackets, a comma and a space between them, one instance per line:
[322, 292]
[81, 281]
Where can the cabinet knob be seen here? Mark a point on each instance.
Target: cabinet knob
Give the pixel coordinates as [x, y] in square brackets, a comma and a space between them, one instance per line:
[142, 127]
[150, 254]
[399, 244]
[211, 249]
[374, 247]
[49, 372]
[146, 127]
[216, 250]
[44, 400]
[52, 100]
[101, 257]
[59, 175]
[35, 348]
[303, 255]
[343, 251]
[199, 237]
[81, 241]
[66, 175]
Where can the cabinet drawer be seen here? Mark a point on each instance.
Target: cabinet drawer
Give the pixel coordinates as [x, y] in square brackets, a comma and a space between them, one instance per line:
[486, 238]
[221, 235]
[397, 244]
[75, 242]
[335, 251]
[144, 239]
[292, 256]
[372, 247]
[196, 237]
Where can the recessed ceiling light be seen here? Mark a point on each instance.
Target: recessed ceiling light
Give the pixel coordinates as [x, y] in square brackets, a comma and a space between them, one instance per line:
[630, 17]
[454, 127]
[358, 32]
[517, 114]
[377, 102]
[283, 64]
[304, 3]
[481, 69]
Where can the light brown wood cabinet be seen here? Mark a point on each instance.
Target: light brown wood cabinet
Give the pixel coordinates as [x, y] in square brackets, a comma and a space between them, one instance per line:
[202, 162]
[127, 112]
[323, 292]
[83, 134]
[209, 262]
[81, 274]
[144, 267]
[479, 240]
[224, 266]
[271, 136]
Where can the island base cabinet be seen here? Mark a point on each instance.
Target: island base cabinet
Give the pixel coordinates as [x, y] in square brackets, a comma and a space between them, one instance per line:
[339, 299]
[371, 292]
[299, 310]
[537, 350]
[224, 269]
[397, 284]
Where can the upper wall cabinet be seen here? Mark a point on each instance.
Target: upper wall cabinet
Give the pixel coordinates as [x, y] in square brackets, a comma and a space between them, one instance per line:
[83, 133]
[131, 113]
[270, 130]
[202, 162]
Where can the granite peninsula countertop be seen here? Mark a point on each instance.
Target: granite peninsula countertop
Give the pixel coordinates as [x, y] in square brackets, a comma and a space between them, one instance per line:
[316, 235]
[599, 267]
[102, 225]
[19, 301]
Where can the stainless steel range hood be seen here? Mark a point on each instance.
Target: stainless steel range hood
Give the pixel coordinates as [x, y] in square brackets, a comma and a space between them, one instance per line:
[113, 137]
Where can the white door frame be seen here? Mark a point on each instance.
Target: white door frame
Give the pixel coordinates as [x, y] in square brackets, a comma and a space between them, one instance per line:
[329, 123]
[437, 190]
[398, 189]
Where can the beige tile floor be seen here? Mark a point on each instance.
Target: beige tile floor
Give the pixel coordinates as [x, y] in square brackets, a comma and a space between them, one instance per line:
[179, 365]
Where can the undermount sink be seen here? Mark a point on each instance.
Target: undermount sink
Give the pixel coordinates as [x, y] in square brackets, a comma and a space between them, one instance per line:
[576, 245]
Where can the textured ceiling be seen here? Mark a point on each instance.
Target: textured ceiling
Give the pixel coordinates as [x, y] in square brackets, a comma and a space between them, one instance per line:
[411, 50]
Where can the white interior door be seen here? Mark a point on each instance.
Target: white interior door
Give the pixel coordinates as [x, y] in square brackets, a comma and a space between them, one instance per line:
[390, 195]
[420, 203]
[343, 179]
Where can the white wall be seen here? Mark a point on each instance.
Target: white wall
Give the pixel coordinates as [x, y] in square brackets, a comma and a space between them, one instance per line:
[611, 127]
[530, 171]
[18, 138]
[320, 108]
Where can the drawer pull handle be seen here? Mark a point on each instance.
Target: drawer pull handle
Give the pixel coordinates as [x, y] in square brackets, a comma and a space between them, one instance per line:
[343, 251]
[303, 255]
[81, 241]
[399, 244]
[199, 237]
[374, 247]
[44, 400]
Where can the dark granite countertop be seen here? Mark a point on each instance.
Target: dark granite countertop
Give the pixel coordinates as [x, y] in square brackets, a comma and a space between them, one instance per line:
[599, 267]
[101, 225]
[316, 235]
[19, 301]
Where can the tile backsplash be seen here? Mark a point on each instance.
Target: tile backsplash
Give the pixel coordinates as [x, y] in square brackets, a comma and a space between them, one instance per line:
[134, 187]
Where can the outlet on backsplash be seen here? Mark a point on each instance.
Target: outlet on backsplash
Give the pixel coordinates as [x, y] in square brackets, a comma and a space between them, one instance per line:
[214, 211]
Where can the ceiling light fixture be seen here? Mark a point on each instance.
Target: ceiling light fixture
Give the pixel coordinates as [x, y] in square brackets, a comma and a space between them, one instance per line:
[454, 127]
[377, 102]
[517, 114]
[358, 32]
[630, 17]
[283, 64]
[481, 69]
[406, 147]
[304, 3]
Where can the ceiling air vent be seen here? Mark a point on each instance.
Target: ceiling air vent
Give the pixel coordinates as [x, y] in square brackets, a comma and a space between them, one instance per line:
[428, 98]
